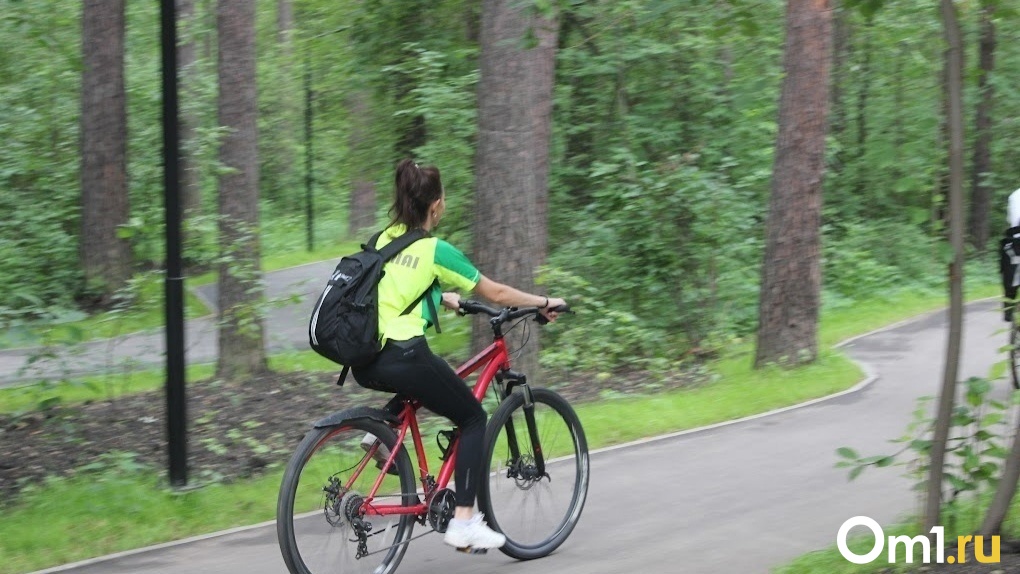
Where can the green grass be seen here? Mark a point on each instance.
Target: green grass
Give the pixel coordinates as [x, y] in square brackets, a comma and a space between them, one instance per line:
[864, 316]
[737, 392]
[830, 561]
[966, 521]
[73, 519]
[68, 520]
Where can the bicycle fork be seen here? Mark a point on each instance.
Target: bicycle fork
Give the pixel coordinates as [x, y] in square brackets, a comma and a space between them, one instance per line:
[518, 465]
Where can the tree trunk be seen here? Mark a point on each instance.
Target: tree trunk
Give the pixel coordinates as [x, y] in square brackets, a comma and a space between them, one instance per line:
[837, 99]
[981, 193]
[284, 22]
[514, 119]
[791, 273]
[361, 218]
[1004, 492]
[241, 337]
[579, 142]
[982, 163]
[954, 89]
[862, 169]
[106, 258]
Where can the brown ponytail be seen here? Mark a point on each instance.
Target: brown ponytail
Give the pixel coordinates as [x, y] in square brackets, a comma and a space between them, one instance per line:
[417, 187]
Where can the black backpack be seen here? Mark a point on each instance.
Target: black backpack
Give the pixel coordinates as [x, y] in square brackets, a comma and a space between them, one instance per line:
[344, 326]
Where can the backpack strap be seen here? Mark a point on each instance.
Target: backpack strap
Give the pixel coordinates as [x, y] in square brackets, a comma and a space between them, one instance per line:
[399, 244]
[428, 301]
[391, 249]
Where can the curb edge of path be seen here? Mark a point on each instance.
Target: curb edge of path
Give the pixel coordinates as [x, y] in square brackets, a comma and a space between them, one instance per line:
[869, 378]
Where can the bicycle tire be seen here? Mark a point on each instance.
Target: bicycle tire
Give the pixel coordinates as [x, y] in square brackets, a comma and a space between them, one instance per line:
[325, 540]
[536, 515]
[1014, 349]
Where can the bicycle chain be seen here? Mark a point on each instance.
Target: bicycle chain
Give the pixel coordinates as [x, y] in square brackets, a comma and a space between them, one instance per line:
[408, 541]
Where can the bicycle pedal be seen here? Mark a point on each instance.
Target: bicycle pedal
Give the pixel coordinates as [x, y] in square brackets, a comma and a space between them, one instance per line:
[471, 550]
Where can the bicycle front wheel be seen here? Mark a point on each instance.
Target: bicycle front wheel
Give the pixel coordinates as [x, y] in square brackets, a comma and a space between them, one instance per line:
[320, 520]
[535, 510]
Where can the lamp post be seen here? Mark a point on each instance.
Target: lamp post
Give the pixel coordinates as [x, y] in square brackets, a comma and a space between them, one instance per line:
[174, 284]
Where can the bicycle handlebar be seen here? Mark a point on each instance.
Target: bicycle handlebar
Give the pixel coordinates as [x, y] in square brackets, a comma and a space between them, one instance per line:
[500, 316]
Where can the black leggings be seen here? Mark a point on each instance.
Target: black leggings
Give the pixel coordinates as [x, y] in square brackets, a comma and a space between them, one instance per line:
[410, 369]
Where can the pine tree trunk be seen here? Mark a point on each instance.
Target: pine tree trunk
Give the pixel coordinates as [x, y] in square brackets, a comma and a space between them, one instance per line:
[837, 97]
[361, 221]
[106, 258]
[981, 194]
[1004, 492]
[241, 336]
[512, 165]
[791, 273]
[288, 115]
[957, 222]
[863, 170]
[580, 142]
[284, 23]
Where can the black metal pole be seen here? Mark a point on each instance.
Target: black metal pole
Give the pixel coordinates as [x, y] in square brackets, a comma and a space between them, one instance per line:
[175, 398]
[309, 161]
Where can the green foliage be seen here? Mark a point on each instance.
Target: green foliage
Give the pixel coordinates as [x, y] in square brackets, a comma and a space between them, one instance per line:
[673, 245]
[663, 130]
[39, 88]
[861, 259]
[975, 450]
[611, 338]
[443, 96]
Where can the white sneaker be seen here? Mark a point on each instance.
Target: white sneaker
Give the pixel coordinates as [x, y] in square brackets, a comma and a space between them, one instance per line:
[382, 454]
[473, 534]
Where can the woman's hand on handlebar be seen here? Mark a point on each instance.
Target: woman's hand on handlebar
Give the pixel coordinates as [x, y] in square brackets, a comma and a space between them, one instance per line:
[451, 300]
[550, 312]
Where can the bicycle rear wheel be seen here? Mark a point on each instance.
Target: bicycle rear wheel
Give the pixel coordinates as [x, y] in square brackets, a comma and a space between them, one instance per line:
[536, 513]
[318, 520]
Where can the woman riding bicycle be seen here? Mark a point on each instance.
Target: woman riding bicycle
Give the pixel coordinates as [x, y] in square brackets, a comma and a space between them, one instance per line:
[406, 365]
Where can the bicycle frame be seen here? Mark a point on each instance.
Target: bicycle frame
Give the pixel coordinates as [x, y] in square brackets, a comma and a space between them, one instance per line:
[495, 359]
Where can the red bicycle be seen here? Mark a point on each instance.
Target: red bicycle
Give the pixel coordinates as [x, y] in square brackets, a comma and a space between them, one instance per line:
[338, 513]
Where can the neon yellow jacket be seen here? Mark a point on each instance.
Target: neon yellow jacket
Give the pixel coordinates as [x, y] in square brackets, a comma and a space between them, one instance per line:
[409, 274]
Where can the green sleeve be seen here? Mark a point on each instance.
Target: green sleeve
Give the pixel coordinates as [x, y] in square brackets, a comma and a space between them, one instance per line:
[454, 268]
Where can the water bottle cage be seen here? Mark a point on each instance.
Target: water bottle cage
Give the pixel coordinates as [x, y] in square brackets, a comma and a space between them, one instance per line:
[449, 435]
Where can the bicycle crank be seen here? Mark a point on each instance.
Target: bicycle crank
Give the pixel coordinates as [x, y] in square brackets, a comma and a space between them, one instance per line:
[441, 509]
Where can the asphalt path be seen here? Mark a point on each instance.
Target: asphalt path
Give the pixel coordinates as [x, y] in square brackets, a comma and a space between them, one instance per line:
[290, 294]
[740, 497]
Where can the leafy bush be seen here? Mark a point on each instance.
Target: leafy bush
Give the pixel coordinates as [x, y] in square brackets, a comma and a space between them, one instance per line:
[675, 246]
[611, 338]
[975, 451]
[861, 259]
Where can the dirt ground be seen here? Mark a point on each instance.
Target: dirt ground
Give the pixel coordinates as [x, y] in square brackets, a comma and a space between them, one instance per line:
[234, 431]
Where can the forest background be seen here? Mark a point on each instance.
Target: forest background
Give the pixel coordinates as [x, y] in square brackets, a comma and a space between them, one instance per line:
[663, 131]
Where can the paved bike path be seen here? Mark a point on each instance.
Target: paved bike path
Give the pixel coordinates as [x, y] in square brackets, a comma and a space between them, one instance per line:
[290, 294]
[742, 497]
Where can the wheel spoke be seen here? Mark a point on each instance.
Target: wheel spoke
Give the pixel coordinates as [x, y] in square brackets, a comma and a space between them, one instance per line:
[321, 518]
[536, 513]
